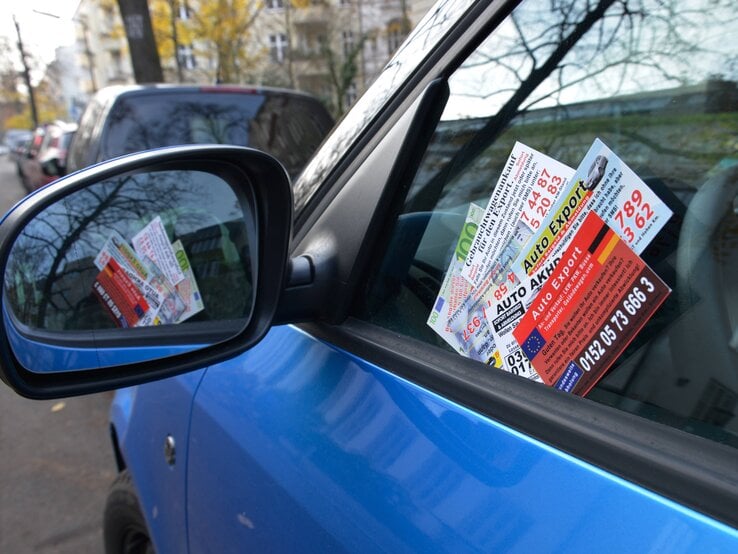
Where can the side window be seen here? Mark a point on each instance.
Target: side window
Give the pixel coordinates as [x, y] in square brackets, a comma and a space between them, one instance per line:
[638, 100]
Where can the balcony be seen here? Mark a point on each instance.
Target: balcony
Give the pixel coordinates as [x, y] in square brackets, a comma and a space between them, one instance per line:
[311, 16]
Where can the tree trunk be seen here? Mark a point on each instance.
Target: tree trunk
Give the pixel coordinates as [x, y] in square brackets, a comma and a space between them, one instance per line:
[141, 43]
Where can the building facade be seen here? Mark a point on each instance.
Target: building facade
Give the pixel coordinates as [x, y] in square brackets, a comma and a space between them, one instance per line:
[101, 48]
[333, 49]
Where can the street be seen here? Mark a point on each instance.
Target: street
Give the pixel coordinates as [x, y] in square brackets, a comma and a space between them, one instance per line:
[56, 461]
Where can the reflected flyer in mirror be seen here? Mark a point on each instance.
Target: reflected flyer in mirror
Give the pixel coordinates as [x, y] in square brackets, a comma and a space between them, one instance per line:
[133, 287]
[550, 322]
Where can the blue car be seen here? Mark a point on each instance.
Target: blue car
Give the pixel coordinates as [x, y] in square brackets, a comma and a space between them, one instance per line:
[283, 384]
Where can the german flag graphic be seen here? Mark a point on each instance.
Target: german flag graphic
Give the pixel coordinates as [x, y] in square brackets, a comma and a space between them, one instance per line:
[603, 244]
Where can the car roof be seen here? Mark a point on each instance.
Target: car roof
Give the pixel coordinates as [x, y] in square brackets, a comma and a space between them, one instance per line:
[115, 91]
[65, 126]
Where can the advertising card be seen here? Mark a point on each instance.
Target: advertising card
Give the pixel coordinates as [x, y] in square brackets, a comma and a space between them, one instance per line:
[187, 288]
[123, 300]
[152, 242]
[118, 249]
[527, 189]
[591, 307]
[529, 185]
[603, 183]
[505, 314]
[454, 291]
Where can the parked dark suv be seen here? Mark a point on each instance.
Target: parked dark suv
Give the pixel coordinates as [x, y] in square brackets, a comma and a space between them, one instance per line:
[124, 119]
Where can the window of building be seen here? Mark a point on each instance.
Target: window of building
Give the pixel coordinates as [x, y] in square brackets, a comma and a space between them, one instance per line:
[278, 47]
[106, 21]
[351, 94]
[395, 36]
[116, 64]
[186, 56]
[348, 43]
[184, 11]
[374, 44]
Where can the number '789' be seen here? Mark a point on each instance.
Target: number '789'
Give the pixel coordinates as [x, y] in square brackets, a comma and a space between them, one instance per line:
[634, 209]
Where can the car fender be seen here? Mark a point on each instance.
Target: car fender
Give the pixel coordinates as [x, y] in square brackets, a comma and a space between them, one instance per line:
[143, 418]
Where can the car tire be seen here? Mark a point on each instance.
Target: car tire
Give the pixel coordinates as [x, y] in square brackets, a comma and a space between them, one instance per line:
[124, 526]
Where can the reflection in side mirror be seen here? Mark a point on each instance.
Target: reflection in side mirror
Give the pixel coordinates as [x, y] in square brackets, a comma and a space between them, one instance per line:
[127, 259]
[142, 268]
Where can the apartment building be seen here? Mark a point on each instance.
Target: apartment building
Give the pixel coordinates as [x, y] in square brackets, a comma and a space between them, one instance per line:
[333, 49]
[101, 47]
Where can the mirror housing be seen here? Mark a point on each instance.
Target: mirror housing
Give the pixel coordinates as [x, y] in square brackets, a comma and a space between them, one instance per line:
[250, 173]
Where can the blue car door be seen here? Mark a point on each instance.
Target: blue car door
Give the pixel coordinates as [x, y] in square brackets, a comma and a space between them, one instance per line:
[367, 431]
[300, 446]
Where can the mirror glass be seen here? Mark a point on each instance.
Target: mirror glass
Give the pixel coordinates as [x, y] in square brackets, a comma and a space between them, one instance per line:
[164, 260]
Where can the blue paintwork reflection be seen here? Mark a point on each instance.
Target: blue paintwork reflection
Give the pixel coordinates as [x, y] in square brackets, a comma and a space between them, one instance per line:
[40, 357]
[299, 446]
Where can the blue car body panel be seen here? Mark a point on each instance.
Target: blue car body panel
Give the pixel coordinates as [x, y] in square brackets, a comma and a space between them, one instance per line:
[299, 446]
[143, 417]
[50, 358]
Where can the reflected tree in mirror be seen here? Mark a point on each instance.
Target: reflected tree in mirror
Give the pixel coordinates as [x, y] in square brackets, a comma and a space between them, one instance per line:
[136, 250]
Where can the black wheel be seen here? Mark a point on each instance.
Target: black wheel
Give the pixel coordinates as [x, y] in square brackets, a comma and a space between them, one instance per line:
[124, 527]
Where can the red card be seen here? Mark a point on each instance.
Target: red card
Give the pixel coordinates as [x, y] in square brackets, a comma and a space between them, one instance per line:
[593, 305]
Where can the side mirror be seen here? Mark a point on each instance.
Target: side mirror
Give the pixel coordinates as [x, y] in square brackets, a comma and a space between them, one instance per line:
[141, 268]
[51, 167]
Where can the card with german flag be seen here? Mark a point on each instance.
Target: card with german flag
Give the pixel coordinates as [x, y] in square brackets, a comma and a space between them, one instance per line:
[593, 305]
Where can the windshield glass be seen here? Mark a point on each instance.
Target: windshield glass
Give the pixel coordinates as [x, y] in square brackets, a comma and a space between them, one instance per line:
[287, 126]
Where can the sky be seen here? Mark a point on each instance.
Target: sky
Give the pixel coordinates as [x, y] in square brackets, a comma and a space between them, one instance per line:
[41, 34]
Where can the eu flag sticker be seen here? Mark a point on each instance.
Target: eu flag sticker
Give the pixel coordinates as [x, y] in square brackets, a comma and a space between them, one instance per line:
[533, 344]
[570, 377]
